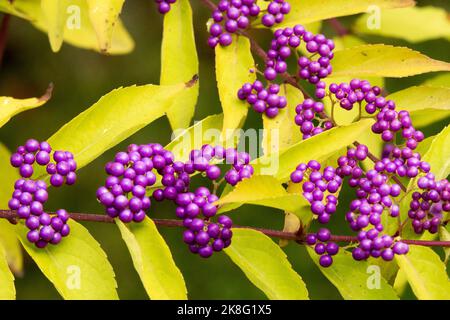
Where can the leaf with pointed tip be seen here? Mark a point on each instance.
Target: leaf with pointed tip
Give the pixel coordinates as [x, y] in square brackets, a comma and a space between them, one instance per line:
[425, 273]
[178, 37]
[103, 15]
[54, 12]
[352, 278]
[77, 267]
[9, 106]
[233, 64]
[153, 261]
[266, 265]
[383, 61]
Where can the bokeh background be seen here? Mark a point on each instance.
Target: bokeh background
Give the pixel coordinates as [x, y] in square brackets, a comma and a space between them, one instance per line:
[81, 77]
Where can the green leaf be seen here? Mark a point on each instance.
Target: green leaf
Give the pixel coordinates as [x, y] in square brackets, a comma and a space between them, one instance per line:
[264, 191]
[77, 267]
[153, 261]
[318, 147]
[444, 235]
[116, 116]
[8, 237]
[78, 29]
[306, 11]
[266, 265]
[355, 280]
[421, 100]
[179, 61]
[441, 80]
[7, 6]
[54, 12]
[383, 61]
[425, 273]
[9, 106]
[233, 64]
[281, 131]
[7, 289]
[399, 23]
[104, 15]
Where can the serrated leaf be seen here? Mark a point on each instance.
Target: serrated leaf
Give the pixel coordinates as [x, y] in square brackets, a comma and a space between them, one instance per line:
[281, 131]
[264, 191]
[8, 237]
[318, 147]
[179, 61]
[153, 261]
[265, 265]
[421, 100]
[77, 267]
[54, 13]
[9, 106]
[104, 15]
[399, 23]
[306, 11]
[78, 29]
[355, 280]
[116, 116]
[233, 64]
[425, 273]
[383, 61]
[7, 289]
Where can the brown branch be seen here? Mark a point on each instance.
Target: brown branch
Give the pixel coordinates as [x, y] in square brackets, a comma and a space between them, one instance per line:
[300, 238]
[4, 35]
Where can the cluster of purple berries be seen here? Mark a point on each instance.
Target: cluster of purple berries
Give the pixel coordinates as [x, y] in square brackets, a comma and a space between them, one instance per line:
[201, 235]
[427, 208]
[316, 187]
[371, 243]
[308, 117]
[29, 196]
[402, 161]
[323, 246]
[275, 12]
[261, 99]
[357, 91]
[164, 5]
[124, 194]
[288, 39]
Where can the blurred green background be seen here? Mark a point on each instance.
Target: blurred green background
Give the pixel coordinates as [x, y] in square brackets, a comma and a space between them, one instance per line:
[81, 77]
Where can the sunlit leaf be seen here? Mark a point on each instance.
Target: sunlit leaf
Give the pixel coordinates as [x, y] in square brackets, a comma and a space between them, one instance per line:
[7, 289]
[444, 235]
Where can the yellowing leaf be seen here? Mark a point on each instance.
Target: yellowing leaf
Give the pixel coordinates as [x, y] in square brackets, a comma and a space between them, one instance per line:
[179, 61]
[7, 289]
[425, 273]
[444, 235]
[233, 64]
[400, 23]
[153, 261]
[265, 265]
[355, 280]
[426, 104]
[281, 131]
[9, 106]
[306, 11]
[441, 80]
[77, 267]
[318, 147]
[383, 61]
[104, 15]
[264, 191]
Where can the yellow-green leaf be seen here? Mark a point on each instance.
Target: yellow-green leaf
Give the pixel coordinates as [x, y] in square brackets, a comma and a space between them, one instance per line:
[9, 106]
[383, 61]
[266, 265]
[264, 191]
[179, 61]
[7, 289]
[153, 261]
[306, 11]
[440, 80]
[318, 147]
[116, 116]
[434, 102]
[426, 273]
[54, 13]
[77, 267]
[291, 224]
[444, 235]
[399, 23]
[233, 64]
[355, 280]
[104, 15]
[8, 237]
[281, 131]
